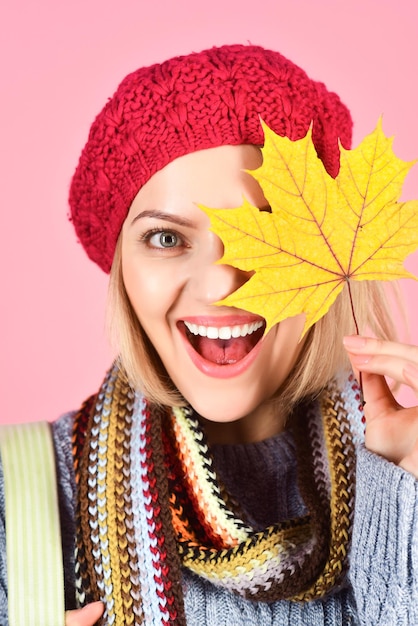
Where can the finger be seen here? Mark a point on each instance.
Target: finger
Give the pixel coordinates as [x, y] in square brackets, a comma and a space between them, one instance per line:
[391, 431]
[87, 616]
[357, 344]
[384, 358]
[410, 373]
[378, 398]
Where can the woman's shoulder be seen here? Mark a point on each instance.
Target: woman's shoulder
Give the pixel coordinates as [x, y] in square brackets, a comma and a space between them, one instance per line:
[63, 426]
[62, 434]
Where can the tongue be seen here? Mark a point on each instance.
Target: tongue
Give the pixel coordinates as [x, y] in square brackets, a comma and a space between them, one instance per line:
[223, 351]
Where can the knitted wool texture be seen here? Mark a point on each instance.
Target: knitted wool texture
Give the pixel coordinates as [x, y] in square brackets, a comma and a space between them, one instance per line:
[149, 502]
[189, 103]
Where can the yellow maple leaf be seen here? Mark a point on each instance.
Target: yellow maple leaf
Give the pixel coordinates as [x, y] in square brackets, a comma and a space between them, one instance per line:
[322, 232]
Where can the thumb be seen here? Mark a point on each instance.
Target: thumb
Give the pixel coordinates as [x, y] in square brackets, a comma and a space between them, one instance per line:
[378, 397]
[87, 616]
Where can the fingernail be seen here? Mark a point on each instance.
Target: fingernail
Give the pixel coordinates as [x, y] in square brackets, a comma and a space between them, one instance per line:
[355, 342]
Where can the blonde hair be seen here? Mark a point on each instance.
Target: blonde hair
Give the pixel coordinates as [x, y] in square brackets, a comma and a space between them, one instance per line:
[321, 359]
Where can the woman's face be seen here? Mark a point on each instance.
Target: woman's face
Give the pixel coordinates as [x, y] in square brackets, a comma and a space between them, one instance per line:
[216, 356]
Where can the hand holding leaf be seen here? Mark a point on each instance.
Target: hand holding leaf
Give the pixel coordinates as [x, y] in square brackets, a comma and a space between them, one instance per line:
[322, 232]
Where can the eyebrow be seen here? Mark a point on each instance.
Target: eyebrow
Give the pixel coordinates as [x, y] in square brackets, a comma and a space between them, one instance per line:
[160, 215]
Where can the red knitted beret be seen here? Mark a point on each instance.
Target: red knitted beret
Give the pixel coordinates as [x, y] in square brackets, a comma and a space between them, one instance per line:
[190, 103]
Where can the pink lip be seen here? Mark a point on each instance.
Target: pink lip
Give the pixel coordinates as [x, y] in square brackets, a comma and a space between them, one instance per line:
[213, 369]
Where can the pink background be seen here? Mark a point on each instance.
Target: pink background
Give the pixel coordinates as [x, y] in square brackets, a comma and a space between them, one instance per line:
[60, 61]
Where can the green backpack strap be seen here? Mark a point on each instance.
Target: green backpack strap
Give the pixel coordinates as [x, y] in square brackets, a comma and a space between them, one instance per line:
[33, 537]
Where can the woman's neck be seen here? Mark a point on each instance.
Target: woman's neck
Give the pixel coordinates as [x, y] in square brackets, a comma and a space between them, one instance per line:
[264, 422]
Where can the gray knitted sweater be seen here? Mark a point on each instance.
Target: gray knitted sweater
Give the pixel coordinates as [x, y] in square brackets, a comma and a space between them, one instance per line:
[382, 585]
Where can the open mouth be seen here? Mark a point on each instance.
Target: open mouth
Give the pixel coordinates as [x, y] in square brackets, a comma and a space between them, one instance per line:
[223, 345]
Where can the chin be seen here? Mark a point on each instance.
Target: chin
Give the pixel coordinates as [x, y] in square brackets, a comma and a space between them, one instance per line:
[220, 417]
[223, 410]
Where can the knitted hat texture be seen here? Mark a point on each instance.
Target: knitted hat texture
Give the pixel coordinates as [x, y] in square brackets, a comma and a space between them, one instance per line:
[189, 103]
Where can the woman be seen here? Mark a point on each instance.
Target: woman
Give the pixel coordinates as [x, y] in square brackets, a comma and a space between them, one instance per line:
[216, 468]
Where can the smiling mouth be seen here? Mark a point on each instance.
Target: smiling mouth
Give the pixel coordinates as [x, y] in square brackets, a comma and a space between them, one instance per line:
[224, 345]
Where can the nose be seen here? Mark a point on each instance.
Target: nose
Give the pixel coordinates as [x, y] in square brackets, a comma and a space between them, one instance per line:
[213, 281]
[218, 282]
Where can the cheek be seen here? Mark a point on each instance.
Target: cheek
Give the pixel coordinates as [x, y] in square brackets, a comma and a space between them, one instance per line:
[143, 286]
[152, 289]
[288, 344]
[143, 289]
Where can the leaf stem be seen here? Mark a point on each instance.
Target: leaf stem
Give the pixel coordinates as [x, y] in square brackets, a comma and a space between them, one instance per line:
[350, 295]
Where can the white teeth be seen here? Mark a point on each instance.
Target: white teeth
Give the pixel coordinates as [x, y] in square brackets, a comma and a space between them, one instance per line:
[236, 332]
[224, 332]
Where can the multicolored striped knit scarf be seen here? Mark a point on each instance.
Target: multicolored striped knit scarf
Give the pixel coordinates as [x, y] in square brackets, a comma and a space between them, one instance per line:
[149, 503]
